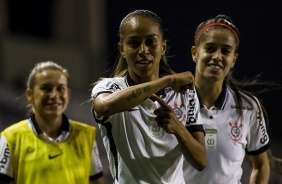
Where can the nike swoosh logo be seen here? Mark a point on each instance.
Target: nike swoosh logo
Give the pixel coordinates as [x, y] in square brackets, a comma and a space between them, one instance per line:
[54, 156]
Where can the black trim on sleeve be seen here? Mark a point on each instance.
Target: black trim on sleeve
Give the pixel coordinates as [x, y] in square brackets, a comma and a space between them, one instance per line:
[259, 151]
[102, 121]
[93, 113]
[102, 92]
[96, 176]
[196, 128]
[5, 178]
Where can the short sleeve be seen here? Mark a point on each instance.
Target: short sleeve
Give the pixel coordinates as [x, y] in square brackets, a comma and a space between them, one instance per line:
[106, 85]
[6, 167]
[96, 164]
[194, 121]
[258, 139]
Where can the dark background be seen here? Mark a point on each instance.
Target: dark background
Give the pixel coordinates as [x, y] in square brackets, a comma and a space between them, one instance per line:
[260, 50]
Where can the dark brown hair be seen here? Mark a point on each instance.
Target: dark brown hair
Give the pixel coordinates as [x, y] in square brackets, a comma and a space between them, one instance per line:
[121, 66]
[224, 22]
[220, 21]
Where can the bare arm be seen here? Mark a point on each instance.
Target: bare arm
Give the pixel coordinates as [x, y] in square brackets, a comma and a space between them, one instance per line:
[261, 170]
[98, 181]
[109, 104]
[193, 148]
[275, 163]
[192, 145]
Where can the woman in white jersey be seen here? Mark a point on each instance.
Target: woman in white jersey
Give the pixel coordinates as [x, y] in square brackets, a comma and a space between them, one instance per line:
[233, 119]
[146, 142]
[48, 147]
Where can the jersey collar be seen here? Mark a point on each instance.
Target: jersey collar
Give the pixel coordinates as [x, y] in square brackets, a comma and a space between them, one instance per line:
[221, 100]
[65, 124]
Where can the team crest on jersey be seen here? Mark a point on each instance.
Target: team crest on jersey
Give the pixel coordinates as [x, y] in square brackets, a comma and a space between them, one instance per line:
[235, 132]
[178, 109]
[114, 87]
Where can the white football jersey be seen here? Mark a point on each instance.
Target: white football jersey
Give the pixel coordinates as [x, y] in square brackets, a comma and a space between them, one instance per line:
[139, 151]
[228, 138]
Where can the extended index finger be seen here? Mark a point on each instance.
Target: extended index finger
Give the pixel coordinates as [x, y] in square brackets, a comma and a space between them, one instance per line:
[160, 101]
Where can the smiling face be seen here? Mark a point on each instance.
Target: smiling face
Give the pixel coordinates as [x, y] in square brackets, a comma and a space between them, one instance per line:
[142, 47]
[50, 94]
[215, 55]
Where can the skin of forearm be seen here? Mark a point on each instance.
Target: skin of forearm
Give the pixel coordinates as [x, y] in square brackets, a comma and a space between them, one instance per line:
[98, 181]
[277, 165]
[193, 151]
[130, 97]
[260, 176]
[261, 169]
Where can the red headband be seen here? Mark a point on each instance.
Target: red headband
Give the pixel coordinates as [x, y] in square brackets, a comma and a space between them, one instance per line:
[216, 24]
